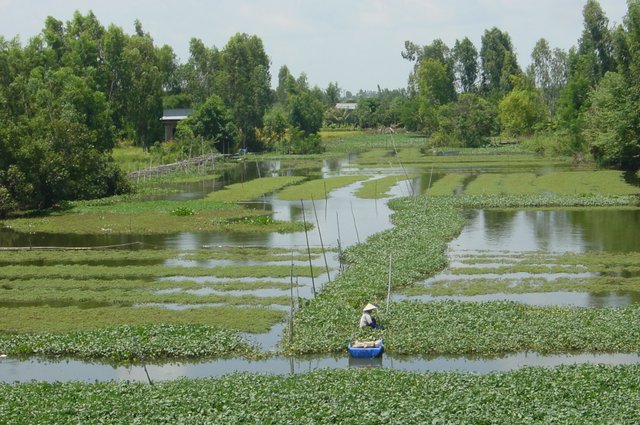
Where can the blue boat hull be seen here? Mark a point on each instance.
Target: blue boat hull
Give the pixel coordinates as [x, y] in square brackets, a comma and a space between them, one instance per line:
[365, 353]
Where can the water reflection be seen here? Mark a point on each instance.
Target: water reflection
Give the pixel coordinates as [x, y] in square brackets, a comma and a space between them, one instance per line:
[341, 220]
[34, 369]
[611, 230]
[544, 299]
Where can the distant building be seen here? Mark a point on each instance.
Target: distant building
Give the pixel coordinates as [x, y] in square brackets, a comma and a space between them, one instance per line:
[347, 106]
[171, 118]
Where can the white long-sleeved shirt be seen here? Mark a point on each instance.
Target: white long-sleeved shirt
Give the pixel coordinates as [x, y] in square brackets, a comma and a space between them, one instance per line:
[366, 319]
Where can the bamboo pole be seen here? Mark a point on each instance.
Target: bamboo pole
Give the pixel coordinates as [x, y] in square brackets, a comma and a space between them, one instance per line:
[339, 243]
[65, 248]
[324, 254]
[355, 225]
[292, 303]
[402, 166]
[389, 288]
[306, 235]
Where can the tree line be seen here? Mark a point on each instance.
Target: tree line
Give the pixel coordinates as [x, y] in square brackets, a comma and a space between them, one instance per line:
[584, 100]
[76, 89]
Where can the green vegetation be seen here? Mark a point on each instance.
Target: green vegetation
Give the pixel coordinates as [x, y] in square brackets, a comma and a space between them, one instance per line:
[60, 321]
[153, 217]
[528, 285]
[569, 394]
[448, 327]
[186, 336]
[379, 188]
[150, 256]
[607, 182]
[317, 189]
[253, 189]
[49, 295]
[545, 272]
[449, 184]
[416, 245]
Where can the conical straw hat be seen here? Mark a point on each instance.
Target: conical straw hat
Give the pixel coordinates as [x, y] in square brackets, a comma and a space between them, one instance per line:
[370, 307]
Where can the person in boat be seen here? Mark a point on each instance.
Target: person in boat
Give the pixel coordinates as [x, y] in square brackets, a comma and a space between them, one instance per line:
[367, 318]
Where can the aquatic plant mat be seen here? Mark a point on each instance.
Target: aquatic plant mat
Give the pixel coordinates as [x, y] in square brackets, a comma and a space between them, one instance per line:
[48, 296]
[491, 272]
[567, 394]
[592, 182]
[118, 216]
[416, 246]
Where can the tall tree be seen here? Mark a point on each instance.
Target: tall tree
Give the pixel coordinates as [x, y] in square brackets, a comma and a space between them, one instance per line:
[466, 65]
[596, 42]
[286, 85]
[548, 70]
[146, 87]
[201, 71]
[498, 62]
[246, 85]
[332, 94]
[306, 112]
[611, 128]
[436, 89]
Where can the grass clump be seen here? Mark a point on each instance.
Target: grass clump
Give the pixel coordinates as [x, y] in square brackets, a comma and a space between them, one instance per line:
[379, 188]
[317, 189]
[253, 189]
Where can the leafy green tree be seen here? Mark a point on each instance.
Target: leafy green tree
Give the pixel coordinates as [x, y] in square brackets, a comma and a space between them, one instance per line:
[548, 70]
[466, 65]
[306, 112]
[596, 42]
[199, 75]
[436, 89]
[287, 85]
[246, 85]
[332, 94]
[498, 62]
[586, 66]
[468, 122]
[437, 51]
[522, 111]
[276, 124]
[368, 112]
[409, 116]
[611, 139]
[303, 143]
[146, 81]
[58, 146]
[211, 122]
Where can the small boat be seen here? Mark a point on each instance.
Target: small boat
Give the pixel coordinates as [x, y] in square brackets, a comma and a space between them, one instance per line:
[365, 349]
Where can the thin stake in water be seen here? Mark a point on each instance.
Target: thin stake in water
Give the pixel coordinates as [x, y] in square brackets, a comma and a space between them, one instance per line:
[306, 235]
[355, 225]
[324, 254]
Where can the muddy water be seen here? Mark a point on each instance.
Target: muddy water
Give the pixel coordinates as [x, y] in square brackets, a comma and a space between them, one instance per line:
[507, 235]
[343, 220]
[610, 230]
[14, 370]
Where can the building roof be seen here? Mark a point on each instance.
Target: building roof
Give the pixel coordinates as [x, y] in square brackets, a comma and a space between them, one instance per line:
[346, 105]
[175, 114]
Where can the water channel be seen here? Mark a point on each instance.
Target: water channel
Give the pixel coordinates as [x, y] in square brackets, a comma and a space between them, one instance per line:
[343, 220]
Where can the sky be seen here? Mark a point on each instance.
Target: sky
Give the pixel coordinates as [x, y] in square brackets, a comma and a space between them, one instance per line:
[355, 43]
